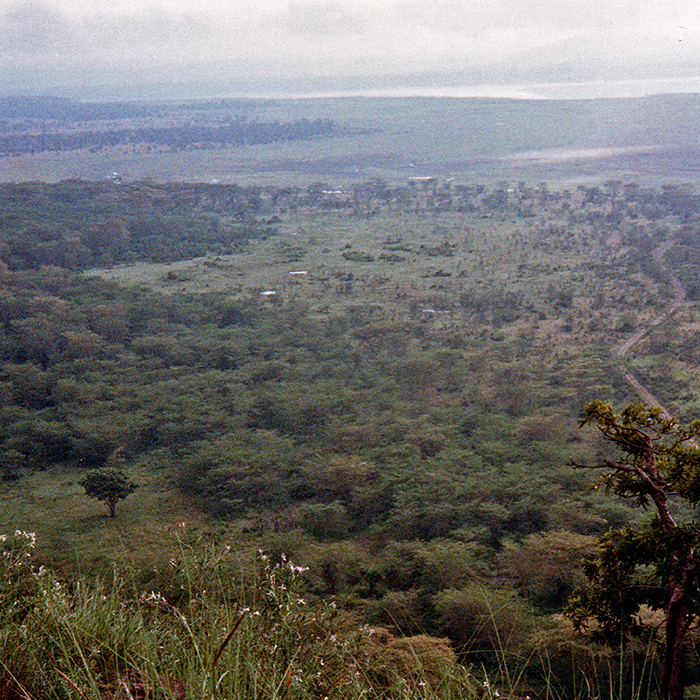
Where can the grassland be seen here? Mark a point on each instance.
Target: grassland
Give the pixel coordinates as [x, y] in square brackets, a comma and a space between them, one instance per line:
[420, 264]
[563, 142]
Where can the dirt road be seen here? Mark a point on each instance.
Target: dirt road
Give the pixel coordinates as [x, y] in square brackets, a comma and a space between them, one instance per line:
[679, 297]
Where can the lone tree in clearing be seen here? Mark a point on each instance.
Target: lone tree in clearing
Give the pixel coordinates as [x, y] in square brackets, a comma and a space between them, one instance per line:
[655, 566]
[109, 486]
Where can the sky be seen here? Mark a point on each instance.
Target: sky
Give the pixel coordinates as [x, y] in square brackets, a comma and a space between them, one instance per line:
[268, 46]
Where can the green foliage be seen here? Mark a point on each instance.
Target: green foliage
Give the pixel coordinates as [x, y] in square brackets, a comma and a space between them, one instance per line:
[230, 475]
[325, 520]
[485, 622]
[400, 427]
[652, 567]
[644, 434]
[358, 256]
[546, 566]
[77, 224]
[108, 485]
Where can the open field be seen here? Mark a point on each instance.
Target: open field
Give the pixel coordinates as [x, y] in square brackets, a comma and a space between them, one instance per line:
[644, 139]
[72, 528]
[407, 264]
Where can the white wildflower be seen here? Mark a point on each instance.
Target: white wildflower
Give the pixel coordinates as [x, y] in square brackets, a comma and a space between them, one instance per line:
[29, 536]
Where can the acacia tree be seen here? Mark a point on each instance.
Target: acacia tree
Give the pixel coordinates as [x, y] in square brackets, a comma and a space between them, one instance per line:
[108, 485]
[655, 566]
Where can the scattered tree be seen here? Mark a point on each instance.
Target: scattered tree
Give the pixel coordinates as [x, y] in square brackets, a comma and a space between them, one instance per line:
[654, 567]
[108, 485]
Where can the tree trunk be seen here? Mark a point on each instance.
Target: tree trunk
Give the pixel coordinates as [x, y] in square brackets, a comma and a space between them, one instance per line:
[677, 623]
[673, 679]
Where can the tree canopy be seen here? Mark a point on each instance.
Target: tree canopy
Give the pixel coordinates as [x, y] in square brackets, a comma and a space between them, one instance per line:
[108, 485]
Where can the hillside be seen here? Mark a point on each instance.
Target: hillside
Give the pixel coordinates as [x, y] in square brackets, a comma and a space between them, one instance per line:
[382, 383]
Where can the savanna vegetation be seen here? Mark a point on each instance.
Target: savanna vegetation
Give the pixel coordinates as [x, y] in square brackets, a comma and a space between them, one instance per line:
[381, 384]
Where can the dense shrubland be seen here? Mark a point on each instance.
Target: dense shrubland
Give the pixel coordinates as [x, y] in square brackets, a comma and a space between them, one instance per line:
[75, 225]
[401, 427]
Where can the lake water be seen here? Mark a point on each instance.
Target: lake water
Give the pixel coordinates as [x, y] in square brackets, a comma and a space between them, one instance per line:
[526, 91]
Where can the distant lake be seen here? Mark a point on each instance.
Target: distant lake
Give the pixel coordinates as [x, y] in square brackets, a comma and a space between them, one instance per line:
[527, 91]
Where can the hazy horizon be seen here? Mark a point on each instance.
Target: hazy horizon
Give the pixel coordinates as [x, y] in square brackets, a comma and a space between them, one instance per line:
[541, 91]
[540, 49]
[618, 89]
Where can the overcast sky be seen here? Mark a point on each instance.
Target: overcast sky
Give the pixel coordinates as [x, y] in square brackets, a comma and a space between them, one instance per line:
[343, 43]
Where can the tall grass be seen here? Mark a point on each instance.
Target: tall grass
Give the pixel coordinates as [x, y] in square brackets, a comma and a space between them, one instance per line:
[212, 631]
[208, 634]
